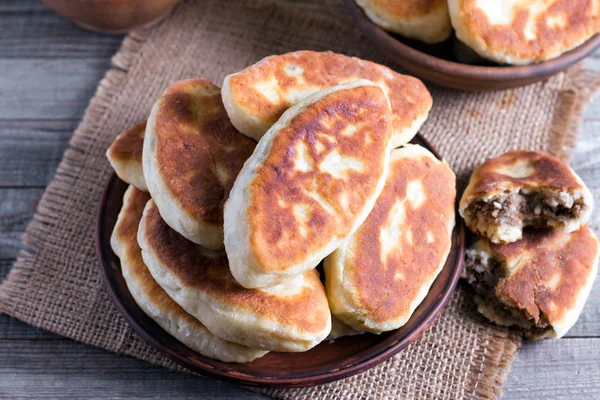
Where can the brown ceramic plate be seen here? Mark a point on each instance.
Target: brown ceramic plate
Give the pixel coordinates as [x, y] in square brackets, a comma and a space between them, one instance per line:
[436, 63]
[326, 362]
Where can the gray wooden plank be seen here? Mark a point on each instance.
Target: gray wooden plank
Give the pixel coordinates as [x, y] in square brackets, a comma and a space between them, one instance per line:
[48, 89]
[593, 61]
[11, 7]
[592, 111]
[31, 150]
[588, 324]
[556, 369]
[10, 244]
[585, 160]
[52, 369]
[13, 329]
[17, 207]
[69, 370]
[42, 33]
[5, 265]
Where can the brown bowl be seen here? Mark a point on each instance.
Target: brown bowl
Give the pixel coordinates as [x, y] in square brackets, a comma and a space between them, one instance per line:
[327, 362]
[113, 16]
[437, 64]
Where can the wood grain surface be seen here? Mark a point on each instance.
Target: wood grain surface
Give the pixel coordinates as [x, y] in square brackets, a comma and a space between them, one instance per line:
[49, 70]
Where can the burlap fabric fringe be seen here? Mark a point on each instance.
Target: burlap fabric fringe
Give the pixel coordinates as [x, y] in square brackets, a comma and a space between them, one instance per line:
[55, 284]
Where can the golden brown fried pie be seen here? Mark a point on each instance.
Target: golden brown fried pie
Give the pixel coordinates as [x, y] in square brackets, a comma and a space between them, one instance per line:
[524, 31]
[125, 156]
[524, 188]
[380, 274]
[154, 301]
[425, 20]
[539, 283]
[290, 317]
[256, 97]
[311, 182]
[192, 155]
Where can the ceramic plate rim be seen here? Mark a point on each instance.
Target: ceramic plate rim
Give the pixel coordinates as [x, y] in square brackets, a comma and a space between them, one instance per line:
[370, 357]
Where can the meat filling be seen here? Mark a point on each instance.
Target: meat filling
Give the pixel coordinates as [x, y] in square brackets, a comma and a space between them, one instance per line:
[484, 273]
[530, 209]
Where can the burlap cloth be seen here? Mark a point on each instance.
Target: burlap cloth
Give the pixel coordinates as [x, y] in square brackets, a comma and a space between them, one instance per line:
[55, 284]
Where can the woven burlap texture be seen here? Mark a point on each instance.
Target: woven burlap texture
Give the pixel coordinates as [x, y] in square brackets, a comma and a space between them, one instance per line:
[55, 283]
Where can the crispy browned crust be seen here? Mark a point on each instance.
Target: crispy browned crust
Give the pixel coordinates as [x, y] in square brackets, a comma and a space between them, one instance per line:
[407, 8]
[128, 226]
[198, 152]
[580, 23]
[127, 147]
[387, 285]
[126, 232]
[207, 270]
[275, 239]
[549, 269]
[543, 171]
[408, 96]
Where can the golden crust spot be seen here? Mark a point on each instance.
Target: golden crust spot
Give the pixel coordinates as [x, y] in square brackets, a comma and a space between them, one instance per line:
[131, 255]
[527, 29]
[198, 152]
[550, 268]
[331, 185]
[398, 230]
[267, 100]
[208, 271]
[128, 145]
[523, 169]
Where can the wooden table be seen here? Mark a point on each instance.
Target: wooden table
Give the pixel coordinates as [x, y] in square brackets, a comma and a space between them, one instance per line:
[49, 69]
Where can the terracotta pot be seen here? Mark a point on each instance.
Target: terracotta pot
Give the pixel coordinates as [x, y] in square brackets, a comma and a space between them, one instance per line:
[112, 16]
